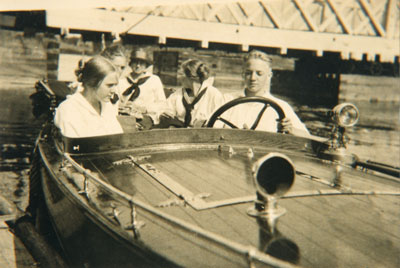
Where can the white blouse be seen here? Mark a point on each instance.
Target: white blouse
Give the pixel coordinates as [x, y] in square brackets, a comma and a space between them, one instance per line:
[76, 118]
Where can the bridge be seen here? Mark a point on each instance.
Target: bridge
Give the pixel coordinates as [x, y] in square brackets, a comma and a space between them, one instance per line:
[354, 29]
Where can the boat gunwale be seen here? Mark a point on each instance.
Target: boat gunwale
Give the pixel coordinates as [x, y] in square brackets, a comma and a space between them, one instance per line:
[249, 252]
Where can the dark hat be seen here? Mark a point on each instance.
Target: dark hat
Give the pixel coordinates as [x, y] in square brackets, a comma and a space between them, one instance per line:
[141, 54]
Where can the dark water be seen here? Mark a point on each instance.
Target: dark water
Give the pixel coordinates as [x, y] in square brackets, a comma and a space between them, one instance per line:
[18, 128]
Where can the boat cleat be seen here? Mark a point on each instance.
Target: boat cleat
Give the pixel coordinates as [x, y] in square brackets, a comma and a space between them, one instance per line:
[131, 160]
[268, 211]
[171, 202]
[201, 196]
[85, 190]
[183, 201]
[226, 149]
[114, 213]
[250, 153]
[135, 224]
[337, 177]
[65, 165]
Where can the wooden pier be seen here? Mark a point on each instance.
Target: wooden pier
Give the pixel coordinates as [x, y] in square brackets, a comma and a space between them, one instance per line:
[13, 253]
[21, 245]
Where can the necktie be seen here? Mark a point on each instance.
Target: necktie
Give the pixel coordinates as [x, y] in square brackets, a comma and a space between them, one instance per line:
[114, 98]
[134, 88]
[189, 107]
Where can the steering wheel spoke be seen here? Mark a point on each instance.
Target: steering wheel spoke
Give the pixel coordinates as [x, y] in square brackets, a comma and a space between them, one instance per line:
[229, 105]
[223, 120]
[260, 114]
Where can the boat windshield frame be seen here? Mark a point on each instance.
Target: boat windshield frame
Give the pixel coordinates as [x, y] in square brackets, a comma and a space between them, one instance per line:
[196, 137]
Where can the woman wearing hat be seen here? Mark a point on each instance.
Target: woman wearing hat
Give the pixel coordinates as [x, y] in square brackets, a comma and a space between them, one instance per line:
[141, 93]
[192, 105]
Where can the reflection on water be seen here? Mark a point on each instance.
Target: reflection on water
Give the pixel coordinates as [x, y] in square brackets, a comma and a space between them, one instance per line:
[17, 142]
[18, 128]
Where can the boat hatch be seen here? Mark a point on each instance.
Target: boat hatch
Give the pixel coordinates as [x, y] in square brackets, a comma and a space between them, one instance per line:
[186, 196]
[206, 177]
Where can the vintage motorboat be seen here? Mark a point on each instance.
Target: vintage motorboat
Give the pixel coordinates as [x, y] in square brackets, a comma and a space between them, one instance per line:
[214, 197]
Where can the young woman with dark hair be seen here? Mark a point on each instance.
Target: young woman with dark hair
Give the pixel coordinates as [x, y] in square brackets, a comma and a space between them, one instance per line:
[89, 112]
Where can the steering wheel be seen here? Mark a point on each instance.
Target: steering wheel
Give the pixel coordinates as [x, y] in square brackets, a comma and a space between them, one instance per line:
[266, 101]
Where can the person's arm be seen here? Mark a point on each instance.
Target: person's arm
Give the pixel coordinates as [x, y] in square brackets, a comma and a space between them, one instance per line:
[168, 117]
[292, 123]
[158, 89]
[159, 105]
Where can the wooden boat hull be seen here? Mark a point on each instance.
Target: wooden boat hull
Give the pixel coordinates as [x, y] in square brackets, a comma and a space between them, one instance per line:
[89, 241]
[141, 200]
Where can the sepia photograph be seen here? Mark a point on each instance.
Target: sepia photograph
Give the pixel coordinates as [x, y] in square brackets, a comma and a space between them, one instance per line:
[195, 133]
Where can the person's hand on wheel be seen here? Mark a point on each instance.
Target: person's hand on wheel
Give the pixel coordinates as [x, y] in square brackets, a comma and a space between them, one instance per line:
[285, 125]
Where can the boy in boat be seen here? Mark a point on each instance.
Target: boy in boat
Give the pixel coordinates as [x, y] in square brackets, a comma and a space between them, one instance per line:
[257, 76]
[89, 112]
[192, 105]
[141, 93]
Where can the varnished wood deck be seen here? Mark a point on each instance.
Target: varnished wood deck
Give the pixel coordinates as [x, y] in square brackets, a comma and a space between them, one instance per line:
[344, 228]
[347, 230]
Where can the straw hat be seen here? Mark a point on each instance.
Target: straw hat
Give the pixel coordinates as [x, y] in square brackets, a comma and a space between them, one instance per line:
[141, 54]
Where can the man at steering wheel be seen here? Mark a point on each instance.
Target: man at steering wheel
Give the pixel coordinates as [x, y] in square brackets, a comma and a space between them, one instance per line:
[275, 115]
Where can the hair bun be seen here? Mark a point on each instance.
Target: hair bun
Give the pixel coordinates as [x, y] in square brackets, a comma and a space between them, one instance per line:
[203, 72]
[196, 68]
[79, 70]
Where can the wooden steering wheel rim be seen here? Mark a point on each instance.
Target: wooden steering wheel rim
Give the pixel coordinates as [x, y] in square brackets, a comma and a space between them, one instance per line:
[267, 101]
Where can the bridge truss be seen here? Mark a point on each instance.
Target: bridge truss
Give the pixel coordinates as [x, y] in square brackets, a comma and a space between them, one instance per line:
[355, 29]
